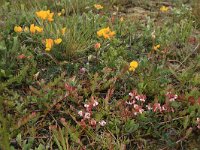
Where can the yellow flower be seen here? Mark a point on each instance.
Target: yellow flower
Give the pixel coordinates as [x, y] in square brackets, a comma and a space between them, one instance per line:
[131, 69]
[106, 33]
[164, 9]
[26, 29]
[58, 41]
[63, 30]
[59, 14]
[45, 15]
[18, 29]
[121, 19]
[50, 17]
[98, 6]
[38, 29]
[111, 34]
[133, 65]
[49, 44]
[156, 47]
[103, 31]
[42, 14]
[32, 28]
[63, 11]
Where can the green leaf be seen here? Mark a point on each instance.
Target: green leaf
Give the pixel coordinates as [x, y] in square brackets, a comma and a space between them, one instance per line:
[131, 126]
[186, 122]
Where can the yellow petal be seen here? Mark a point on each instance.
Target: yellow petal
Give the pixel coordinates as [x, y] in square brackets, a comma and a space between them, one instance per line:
[164, 9]
[26, 29]
[58, 41]
[32, 28]
[98, 6]
[63, 30]
[134, 64]
[49, 44]
[18, 29]
[38, 29]
[131, 69]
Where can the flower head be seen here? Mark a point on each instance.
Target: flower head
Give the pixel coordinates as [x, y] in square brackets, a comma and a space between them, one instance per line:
[50, 17]
[49, 44]
[97, 45]
[26, 29]
[156, 47]
[42, 14]
[87, 115]
[80, 113]
[133, 65]
[45, 15]
[57, 41]
[95, 103]
[22, 56]
[164, 9]
[63, 30]
[121, 19]
[102, 123]
[93, 122]
[98, 6]
[38, 29]
[18, 29]
[34, 29]
[106, 33]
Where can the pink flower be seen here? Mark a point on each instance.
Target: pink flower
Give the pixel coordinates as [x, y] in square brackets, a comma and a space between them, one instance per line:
[157, 107]
[80, 113]
[95, 103]
[97, 45]
[22, 56]
[62, 120]
[138, 109]
[130, 102]
[82, 123]
[83, 70]
[164, 108]
[141, 98]
[141, 110]
[86, 105]
[102, 123]
[136, 106]
[198, 120]
[171, 97]
[198, 126]
[133, 93]
[93, 122]
[87, 115]
[149, 107]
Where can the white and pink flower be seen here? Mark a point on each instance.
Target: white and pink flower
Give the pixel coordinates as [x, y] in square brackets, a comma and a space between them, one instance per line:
[102, 123]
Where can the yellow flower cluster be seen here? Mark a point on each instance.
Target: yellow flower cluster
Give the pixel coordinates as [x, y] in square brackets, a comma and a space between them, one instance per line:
[33, 29]
[98, 6]
[45, 15]
[106, 33]
[164, 9]
[133, 65]
[50, 42]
